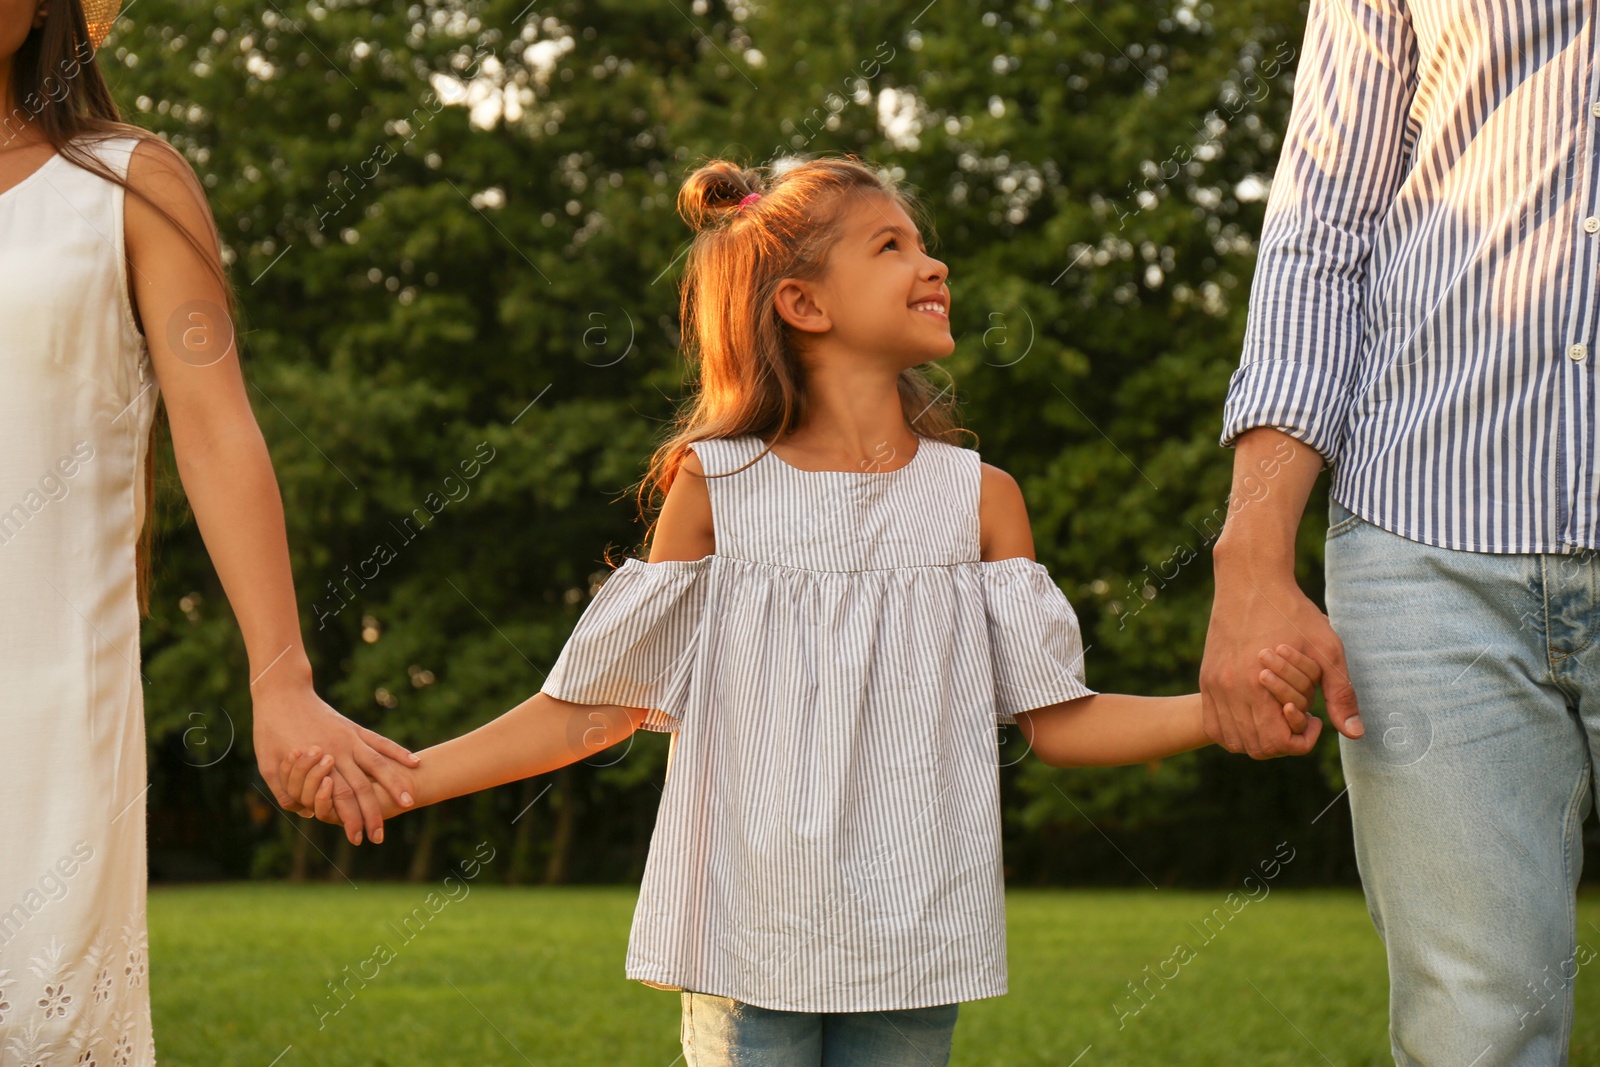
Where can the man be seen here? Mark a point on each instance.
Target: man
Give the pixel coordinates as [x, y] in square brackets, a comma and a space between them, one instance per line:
[1423, 320]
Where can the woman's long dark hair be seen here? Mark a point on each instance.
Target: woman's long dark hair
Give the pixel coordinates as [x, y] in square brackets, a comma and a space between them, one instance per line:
[58, 90]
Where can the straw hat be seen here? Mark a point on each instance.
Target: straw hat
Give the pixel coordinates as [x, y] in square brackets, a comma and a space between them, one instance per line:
[100, 15]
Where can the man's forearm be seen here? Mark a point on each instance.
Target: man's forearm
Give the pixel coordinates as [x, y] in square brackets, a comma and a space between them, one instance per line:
[1272, 478]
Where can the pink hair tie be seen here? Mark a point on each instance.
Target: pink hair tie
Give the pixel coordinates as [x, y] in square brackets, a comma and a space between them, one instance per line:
[749, 198]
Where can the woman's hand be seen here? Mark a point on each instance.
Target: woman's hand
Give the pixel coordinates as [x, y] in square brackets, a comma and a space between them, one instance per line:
[183, 309]
[309, 779]
[292, 718]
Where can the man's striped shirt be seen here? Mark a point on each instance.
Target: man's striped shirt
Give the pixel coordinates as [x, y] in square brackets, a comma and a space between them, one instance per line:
[1423, 312]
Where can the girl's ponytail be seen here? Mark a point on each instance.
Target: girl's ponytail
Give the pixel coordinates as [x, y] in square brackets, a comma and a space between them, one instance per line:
[716, 192]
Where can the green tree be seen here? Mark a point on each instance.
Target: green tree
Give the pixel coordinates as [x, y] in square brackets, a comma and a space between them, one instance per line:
[451, 226]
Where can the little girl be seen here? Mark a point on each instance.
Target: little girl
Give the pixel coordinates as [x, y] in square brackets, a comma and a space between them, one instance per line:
[840, 606]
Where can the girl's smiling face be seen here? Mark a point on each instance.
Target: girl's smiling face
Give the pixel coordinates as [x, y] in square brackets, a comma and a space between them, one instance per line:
[881, 292]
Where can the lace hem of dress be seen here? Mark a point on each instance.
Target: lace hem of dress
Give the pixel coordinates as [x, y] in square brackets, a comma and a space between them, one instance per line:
[94, 1009]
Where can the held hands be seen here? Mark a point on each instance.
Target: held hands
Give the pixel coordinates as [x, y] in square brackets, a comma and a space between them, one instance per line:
[1292, 678]
[290, 716]
[1251, 609]
[309, 779]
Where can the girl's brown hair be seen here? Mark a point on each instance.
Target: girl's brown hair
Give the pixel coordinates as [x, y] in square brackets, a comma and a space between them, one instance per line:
[750, 379]
[58, 90]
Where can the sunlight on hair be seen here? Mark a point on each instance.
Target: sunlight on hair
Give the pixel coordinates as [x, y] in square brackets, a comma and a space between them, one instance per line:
[783, 164]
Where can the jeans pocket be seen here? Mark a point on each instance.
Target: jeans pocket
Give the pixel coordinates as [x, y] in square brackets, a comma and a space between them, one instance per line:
[1341, 520]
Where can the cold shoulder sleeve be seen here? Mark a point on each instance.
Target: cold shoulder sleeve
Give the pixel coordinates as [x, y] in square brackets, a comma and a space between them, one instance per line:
[1035, 645]
[635, 643]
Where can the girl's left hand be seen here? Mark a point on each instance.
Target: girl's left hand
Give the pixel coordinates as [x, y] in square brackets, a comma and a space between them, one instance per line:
[1292, 679]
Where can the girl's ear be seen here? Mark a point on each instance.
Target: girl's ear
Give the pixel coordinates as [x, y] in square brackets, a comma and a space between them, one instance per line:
[796, 302]
[40, 14]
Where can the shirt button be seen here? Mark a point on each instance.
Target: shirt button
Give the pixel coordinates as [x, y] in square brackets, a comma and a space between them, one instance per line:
[1576, 352]
[1591, 224]
[1594, 109]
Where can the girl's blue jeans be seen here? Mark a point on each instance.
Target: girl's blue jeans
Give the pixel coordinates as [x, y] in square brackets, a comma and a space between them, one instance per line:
[723, 1032]
[1478, 681]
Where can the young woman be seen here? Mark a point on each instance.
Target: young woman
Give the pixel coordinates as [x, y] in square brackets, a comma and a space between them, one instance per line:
[112, 295]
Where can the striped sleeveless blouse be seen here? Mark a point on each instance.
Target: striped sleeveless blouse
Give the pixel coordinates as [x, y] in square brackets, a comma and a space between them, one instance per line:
[834, 674]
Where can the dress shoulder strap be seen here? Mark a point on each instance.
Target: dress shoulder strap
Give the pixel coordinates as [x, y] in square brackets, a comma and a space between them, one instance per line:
[953, 477]
[729, 493]
[114, 151]
[719, 455]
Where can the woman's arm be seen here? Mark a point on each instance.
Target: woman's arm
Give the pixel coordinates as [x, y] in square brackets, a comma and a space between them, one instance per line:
[227, 475]
[540, 735]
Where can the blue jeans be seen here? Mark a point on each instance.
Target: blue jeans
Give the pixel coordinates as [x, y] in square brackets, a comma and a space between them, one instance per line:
[723, 1032]
[1479, 687]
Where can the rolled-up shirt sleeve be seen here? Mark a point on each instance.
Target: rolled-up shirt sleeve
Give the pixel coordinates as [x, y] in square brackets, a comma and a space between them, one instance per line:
[1345, 153]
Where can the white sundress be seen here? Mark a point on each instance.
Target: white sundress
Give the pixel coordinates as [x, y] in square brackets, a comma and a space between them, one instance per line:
[828, 838]
[77, 395]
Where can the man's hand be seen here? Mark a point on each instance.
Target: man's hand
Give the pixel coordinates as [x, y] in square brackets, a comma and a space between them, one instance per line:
[1246, 615]
[289, 717]
[1258, 605]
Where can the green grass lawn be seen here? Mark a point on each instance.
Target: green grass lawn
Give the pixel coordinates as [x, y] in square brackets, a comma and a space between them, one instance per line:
[240, 975]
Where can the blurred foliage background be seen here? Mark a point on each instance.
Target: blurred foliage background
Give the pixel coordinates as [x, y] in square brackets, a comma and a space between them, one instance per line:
[451, 228]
